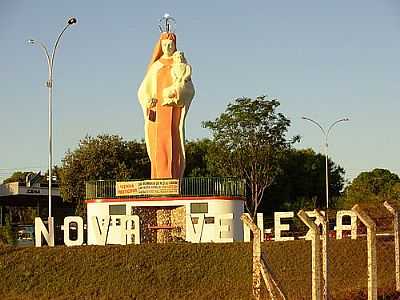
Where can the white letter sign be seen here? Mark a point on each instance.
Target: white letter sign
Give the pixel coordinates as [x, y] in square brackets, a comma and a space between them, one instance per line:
[40, 230]
[101, 229]
[282, 227]
[79, 231]
[222, 229]
[340, 227]
[130, 228]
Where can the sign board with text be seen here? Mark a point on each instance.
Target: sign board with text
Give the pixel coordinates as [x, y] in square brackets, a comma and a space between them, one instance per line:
[148, 187]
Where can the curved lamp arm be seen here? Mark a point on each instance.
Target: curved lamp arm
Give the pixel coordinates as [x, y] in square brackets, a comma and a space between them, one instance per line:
[334, 123]
[316, 123]
[70, 22]
[46, 52]
[50, 59]
[326, 133]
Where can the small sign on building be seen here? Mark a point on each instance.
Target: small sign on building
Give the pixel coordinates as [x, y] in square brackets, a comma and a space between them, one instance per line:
[148, 187]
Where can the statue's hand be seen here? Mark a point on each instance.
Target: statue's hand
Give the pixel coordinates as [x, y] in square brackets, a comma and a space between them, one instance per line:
[167, 101]
[172, 94]
[169, 92]
[151, 103]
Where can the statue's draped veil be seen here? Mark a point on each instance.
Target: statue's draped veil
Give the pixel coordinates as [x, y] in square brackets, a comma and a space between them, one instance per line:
[157, 52]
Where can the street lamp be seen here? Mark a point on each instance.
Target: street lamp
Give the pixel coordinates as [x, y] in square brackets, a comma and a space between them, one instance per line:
[326, 134]
[49, 84]
[326, 225]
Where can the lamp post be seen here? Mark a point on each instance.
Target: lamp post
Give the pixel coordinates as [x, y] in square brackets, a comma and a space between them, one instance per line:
[326, 135]
[326, 225]
[49, 85]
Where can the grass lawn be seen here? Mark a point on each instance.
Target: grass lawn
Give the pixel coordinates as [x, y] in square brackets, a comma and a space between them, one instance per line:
[183, 271]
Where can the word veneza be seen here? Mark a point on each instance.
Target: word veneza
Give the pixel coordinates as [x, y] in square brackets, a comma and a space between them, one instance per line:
[129, 228]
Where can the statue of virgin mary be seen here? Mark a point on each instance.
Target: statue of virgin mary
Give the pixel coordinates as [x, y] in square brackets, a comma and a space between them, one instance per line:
[164, 121]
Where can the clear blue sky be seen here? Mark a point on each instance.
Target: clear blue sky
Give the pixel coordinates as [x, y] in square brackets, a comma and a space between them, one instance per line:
[321, 59]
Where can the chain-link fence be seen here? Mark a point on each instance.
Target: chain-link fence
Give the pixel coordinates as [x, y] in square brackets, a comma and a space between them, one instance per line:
[368, 270]
[363, 259]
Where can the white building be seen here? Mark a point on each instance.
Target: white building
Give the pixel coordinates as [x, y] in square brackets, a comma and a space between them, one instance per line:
[202, 210]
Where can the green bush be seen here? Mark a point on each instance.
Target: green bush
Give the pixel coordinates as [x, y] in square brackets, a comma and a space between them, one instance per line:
[7, 235]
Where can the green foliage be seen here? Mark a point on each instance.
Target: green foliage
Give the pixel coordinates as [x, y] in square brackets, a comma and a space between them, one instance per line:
[20, 176]
[372, 187]
[7, 235]
[197, 160]
[17, 177]
[103, 157]
[23, 215]
[249, 141]
[302, 182]
[300, 185]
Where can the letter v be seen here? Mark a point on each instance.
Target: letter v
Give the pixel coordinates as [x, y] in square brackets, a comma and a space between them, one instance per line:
[101, 230]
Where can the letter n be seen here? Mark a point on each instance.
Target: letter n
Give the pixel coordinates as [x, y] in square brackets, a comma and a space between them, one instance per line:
[40, 230]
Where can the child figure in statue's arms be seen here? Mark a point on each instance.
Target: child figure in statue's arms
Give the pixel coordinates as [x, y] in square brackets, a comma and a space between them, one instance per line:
[181, 73]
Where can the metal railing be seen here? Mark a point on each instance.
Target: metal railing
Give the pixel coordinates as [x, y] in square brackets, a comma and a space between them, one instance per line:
[190, 186]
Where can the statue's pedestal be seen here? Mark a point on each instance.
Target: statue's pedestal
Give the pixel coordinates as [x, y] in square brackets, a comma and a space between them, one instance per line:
[170, 219]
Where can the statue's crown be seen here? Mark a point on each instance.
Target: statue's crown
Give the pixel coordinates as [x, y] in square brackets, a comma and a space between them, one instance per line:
[167, 24]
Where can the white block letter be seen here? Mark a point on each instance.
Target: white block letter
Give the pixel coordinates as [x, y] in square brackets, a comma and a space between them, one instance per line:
[246, 231]
[223, 228]
[340, 227]
[40, 230]
[195, 231]
[79, 231]
[100, 229]
[313, 214]
[281, 227]
[130, 227]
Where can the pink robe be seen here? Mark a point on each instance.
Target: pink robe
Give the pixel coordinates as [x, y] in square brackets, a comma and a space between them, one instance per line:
[164, 144]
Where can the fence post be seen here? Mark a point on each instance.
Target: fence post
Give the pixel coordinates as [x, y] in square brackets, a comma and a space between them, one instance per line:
[260, 225]
[325, 262]
[256, 255]
[395, 214]
[315, 255]
[371, 245]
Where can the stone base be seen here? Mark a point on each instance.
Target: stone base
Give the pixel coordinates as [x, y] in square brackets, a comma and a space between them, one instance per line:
[161, 224]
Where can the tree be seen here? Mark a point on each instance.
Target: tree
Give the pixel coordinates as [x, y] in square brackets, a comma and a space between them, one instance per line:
[197, 158]
[372, 187]
[7, 235]
[104, 157]
[249, 141]
[17, 176]
[302, 182]
[20, 176]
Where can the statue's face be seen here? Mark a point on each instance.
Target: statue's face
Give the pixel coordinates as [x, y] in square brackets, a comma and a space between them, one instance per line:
[168, 47]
